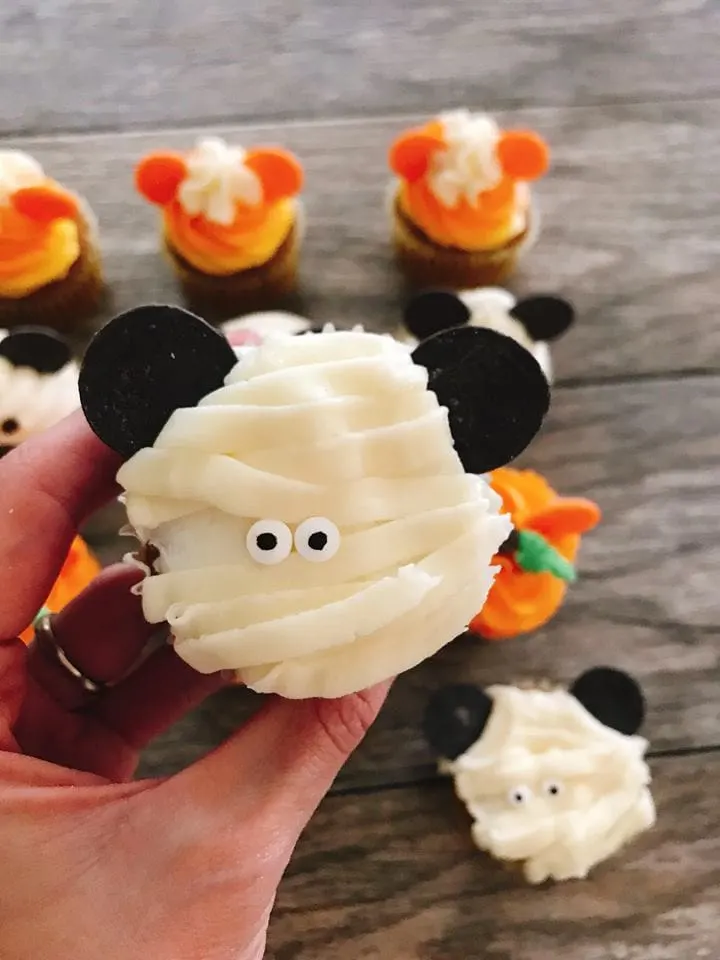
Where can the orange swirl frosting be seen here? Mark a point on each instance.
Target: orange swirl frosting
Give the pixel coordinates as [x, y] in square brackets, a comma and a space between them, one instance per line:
[519, 601]
[463, 180]
[39, 236]
[224, 209]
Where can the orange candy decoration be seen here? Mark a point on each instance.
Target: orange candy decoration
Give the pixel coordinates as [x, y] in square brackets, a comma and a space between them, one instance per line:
[520, 602]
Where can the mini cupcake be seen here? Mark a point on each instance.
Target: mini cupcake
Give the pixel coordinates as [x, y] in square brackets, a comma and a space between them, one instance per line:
[38, 383]
[555, 779]
[255, 328]
[461, 208]
[230, 221]
[50, 270]
[536, 561]
[79, 569]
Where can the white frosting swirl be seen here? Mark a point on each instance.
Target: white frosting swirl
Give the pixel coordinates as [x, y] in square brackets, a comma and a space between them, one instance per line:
[17, 170]
[217, 178]
[469, 164]
[549, 785]
[338, 425]
[31, 402]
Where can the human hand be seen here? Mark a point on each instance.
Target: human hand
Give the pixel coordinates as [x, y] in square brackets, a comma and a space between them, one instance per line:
[92, 863]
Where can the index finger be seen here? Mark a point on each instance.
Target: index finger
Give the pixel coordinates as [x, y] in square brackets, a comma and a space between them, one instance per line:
[48, 486]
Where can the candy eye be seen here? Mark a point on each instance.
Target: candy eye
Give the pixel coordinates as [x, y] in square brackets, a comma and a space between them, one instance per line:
[317, 539]
[9, 427]
[519, 795]
[269, 541]
[553, 788]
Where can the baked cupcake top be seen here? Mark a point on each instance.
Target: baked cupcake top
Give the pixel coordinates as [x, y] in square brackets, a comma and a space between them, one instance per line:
[554, 779]
[532, 321]
[38, 383]
[536, 562]
[39, 235]
[463, 180]
[225, 209]
[313, 504]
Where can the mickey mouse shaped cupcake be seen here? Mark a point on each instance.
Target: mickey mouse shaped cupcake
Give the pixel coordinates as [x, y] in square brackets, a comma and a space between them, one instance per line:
[554, 779]
[38, 383]
[230, 222]
[461, 207]
[311, 513]
[532, 321]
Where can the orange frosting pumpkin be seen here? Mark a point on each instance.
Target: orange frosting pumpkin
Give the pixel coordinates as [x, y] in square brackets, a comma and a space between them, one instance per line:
[521, 601]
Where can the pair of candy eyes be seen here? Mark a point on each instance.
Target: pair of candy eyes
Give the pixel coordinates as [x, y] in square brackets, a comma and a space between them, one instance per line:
[519, 796]
[271, 541]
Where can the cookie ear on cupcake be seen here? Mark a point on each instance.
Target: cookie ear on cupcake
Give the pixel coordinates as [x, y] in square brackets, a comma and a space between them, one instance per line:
[432, 312]
[544, 317]
[612, 697]
[455, 718]
[144, 365]
[278, 170]
[37, 348]
[158, 176]
[495, 392]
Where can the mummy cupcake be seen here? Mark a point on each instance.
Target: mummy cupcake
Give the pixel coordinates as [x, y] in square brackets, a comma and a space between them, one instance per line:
[554, 780]
[536, 562]
[230, 222]
[49, 261]
[254, 328]
[38, 383]
[533, 321]
[310, 514]
[461, 209]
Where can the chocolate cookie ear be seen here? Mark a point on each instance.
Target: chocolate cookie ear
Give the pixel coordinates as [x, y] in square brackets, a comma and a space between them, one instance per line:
[145, 364]
[494, 389]
[38, 348]
[544, 317]
[431, 312]
[454, 719]
[612, 697]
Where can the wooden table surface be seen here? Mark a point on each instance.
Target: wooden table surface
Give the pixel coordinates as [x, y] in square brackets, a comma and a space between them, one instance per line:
[627, 92]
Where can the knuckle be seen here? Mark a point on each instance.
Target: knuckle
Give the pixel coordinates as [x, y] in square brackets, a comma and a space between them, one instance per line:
[345, 721]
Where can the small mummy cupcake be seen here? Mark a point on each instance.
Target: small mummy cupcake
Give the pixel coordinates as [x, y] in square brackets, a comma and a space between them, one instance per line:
[230, 222]
[461, 209]
[310, 513]
[554, 779]
[38, 383]
[532, 321]
[50, 270]
[536, 562]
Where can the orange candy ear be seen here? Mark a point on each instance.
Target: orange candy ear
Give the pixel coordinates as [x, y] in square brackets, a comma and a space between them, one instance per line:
[159, 175]
[411, 153]
[45, 203]
[279, 171]
[523, 155]
[569, 515]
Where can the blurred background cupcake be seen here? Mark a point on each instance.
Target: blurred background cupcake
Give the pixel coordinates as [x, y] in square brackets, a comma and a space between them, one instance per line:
[461, 207]
[231, 223]
[50, 271]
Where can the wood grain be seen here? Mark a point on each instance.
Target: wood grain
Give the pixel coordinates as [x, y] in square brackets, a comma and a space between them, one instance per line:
[394, 876]
[646, 601]
[631, 229]
[77, 64]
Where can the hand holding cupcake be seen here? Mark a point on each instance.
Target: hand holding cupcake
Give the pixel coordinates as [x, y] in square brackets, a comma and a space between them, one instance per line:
[230, 222]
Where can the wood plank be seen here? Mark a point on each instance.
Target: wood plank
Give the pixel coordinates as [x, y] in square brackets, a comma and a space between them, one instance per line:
[395, 875]
[646, 600]
[630, 230]
[88, 65]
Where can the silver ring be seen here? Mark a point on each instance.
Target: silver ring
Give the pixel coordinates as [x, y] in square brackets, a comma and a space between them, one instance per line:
[45, 637]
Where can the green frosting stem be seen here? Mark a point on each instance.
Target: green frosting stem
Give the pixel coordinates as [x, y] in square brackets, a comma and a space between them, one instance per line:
[535, 555]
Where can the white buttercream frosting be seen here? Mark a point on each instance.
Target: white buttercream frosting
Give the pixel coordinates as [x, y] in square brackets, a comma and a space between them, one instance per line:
[217, 179]
[469, 164]
[18, 170]
[31, 402]
[338, 426]
[550, 786]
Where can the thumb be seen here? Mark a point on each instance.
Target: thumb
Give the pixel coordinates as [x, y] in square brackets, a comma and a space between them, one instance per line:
[274, 772]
